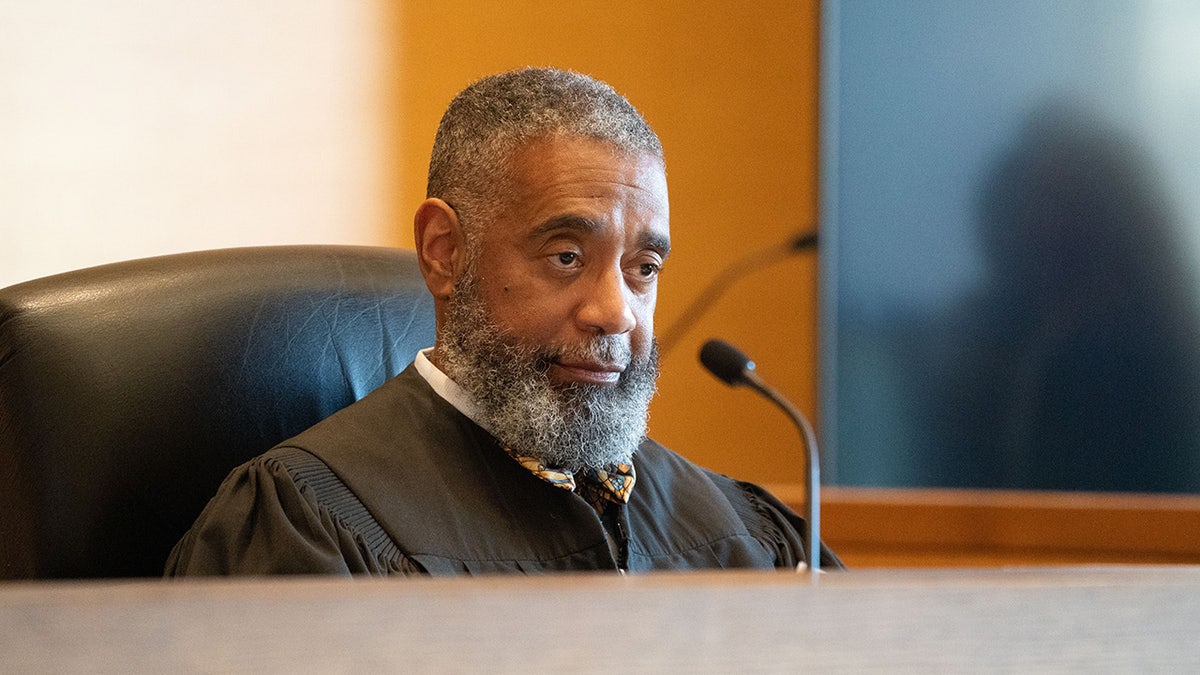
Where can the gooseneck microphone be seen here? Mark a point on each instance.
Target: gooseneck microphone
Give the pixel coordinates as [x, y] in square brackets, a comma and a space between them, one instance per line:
[756, 260]
[734, 368]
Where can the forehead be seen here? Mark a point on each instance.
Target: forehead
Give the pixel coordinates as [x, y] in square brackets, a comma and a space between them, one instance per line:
[572, 174]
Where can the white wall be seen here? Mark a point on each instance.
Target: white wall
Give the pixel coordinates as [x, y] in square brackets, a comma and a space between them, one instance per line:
[130, 129]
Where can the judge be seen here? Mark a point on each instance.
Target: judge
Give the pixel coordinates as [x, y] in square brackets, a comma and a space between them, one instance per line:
[517, 442]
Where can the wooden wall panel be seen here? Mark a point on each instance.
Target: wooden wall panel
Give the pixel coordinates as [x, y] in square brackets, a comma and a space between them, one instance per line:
[732, 90]
[873, 527]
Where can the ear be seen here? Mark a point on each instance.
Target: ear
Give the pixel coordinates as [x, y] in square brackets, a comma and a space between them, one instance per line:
[440, 246]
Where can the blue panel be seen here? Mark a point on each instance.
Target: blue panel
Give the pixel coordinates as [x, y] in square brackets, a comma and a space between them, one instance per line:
[1011, 221]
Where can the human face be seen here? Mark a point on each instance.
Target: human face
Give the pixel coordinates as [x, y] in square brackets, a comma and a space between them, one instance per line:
[576, 254]
[571, 426]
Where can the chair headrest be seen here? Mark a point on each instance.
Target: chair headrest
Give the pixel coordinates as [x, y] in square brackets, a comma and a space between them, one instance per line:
[128, 391]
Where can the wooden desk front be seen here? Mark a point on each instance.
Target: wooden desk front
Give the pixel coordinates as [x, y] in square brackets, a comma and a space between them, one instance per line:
[894, 527]
[1103, 619]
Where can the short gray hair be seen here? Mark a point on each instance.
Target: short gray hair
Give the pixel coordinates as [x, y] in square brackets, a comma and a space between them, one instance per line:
[495, 117]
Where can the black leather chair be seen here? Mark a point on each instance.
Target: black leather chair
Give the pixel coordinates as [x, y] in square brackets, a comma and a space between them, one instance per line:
[128, 391]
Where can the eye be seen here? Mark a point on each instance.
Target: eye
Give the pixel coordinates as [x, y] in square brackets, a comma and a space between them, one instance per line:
[565, 259]
[647, 266]
[649, 270]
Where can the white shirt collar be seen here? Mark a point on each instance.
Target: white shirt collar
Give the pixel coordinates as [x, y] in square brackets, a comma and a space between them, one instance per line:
[447, 388]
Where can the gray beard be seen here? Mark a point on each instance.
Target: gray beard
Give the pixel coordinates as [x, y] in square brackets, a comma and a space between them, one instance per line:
[572, 426]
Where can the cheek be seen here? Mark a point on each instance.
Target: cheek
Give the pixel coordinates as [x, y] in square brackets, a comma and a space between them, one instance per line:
[534, 317]
[644, 333]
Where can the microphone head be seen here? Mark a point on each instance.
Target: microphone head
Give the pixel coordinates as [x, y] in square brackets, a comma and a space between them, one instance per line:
[725, 361]
[803, 242]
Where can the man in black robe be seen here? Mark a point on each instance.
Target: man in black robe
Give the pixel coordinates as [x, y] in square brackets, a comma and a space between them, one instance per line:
[517, 442]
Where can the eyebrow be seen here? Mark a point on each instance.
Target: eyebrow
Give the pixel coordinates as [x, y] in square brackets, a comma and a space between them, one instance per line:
[660, 245]
[572, 222]
[569, 222]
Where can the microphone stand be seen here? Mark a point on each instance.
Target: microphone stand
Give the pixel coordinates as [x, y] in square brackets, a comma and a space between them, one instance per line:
[733, 367]
[812, 468]
[668, 338]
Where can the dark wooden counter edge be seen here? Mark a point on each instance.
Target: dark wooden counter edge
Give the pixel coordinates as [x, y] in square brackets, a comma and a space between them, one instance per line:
[888, 527]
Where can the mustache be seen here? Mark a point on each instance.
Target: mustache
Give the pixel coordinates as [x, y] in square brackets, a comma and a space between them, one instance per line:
[603, 349]
[637, 371]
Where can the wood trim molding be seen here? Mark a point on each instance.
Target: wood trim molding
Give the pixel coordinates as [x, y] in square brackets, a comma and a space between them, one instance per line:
[893, 527]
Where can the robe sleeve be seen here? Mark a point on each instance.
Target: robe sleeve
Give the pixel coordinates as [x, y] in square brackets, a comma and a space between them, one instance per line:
[778, 529]
[265, 521]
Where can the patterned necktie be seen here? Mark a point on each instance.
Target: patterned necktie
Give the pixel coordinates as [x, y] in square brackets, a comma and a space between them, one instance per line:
[597, 486]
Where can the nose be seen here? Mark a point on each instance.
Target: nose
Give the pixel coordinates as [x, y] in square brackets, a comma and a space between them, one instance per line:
[607, 306]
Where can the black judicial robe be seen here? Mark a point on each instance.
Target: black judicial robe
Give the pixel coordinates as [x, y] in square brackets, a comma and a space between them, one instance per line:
[401, 482]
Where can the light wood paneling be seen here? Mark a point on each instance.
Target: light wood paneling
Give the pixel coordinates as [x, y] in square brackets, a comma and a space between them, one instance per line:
[873, 527]
[732, 90]
[1130, 619]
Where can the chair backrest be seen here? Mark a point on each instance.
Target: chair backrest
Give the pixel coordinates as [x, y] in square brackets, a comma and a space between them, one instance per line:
[128, 391]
